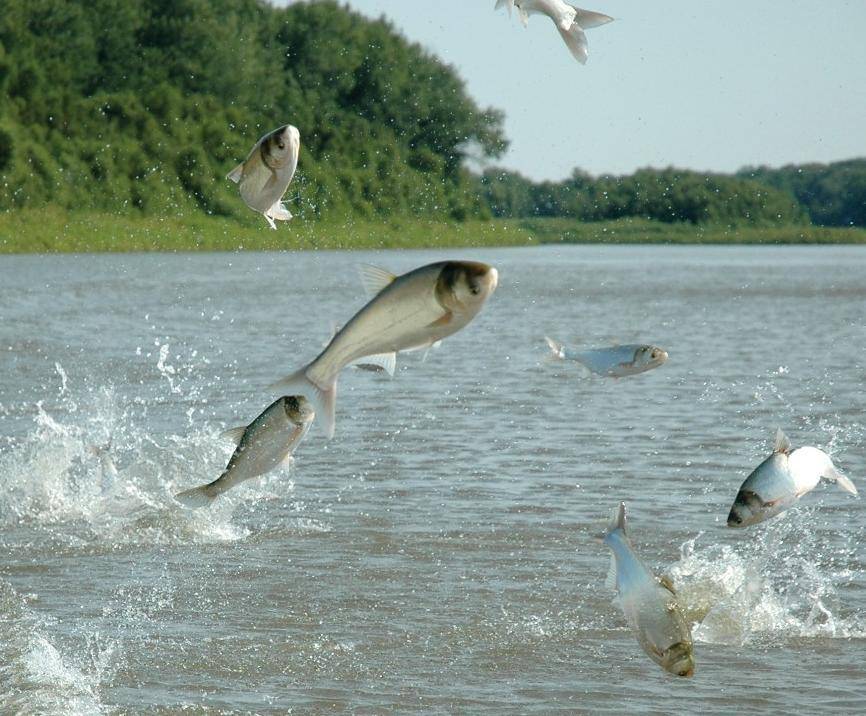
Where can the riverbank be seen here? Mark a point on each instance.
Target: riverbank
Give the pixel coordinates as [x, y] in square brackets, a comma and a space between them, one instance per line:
[55, 231]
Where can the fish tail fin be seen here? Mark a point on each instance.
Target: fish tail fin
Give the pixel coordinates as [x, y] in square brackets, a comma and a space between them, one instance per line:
[575, 40]
[831, 473]
[324, 398]
[557, 350]
[197, 497]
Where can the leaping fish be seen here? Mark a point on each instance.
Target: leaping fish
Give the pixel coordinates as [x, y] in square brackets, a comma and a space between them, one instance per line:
[649, 603]
[266, 173]
[570, 21]
[407, 312]
[782, 479]
[615, 361]
[263, 445]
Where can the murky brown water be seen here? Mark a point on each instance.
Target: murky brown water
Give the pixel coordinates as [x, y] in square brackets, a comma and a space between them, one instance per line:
[438, 555]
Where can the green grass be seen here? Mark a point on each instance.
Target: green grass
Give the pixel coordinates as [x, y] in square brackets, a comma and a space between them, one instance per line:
[56, 231]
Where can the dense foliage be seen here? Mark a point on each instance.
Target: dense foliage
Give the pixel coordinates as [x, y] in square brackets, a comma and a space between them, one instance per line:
[145, 105]
[110, 104]
[668, 195]
[833, 194]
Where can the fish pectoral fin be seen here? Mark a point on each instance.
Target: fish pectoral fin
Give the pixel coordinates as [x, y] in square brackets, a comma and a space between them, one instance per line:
[443, 321]
[375, 279]
[386, 361]
[236, 174]
[280, 212]
[667, 583]
[234, 434]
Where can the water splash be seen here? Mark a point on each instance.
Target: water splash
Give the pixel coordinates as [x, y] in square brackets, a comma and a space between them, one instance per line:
[780, 582]
[37, 676]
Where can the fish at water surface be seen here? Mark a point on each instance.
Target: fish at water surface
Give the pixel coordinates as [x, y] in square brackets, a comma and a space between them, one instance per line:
[614, 361]
[649, 604]
[263, 445]
[407, 312]
[264, 176]
[781, 480]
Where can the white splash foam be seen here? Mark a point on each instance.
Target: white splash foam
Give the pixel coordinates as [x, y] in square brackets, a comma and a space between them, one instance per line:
[773, 585]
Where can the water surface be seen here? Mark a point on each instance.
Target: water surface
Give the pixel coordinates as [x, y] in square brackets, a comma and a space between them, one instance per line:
[439, 554]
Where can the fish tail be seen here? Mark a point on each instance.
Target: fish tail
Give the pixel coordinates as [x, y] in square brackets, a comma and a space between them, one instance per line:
[324, 398]
[197, 497]
[831, 473]
[557, 350]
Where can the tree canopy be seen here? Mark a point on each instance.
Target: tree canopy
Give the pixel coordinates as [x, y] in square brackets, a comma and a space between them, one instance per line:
[147, 104]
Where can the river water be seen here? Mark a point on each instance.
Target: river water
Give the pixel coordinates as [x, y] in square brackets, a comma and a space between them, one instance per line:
[440, 554]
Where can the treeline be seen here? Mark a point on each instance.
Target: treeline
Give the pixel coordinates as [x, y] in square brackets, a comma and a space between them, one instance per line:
[146, 104]
[831, 195]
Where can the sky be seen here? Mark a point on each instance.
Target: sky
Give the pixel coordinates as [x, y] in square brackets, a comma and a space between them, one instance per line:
[710, 86]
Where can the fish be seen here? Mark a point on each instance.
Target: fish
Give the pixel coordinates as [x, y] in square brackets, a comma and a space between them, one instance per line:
[613, 362]
[265, 444]
[379, 364]
[406, 312]
[781, 480]
[649, 603]
[264, 176]
[570, 21]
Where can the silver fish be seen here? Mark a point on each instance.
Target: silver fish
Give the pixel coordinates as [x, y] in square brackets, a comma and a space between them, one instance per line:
[570, 21]
[264, 176]
[406, 312]
[782, 479]
[649, 603]
[263, 445]
[613, 362]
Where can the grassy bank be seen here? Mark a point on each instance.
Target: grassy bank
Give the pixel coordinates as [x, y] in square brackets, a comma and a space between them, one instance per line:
[55, 231]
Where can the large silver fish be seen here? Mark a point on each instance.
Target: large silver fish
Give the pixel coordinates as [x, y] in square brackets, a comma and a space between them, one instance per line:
[264, 444]
[613, 362]
[782, 479]
[570, 21]
[266, 173]
[649, 603]
[406, 312]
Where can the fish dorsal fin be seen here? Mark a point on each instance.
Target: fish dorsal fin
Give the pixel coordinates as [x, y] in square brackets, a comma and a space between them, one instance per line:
[234, 434]
[617, 519]
[375, 279]
[236, 173]
[667, 583]
[610, 581]
[782, 444]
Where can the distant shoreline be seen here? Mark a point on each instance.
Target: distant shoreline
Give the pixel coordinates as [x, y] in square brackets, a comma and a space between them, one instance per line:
[32, 231]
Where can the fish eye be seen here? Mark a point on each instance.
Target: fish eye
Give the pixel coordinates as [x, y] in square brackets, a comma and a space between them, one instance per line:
[474, 289]
[281, 145]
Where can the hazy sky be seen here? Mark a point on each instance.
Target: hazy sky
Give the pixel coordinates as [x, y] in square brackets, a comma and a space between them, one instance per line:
[690, 83]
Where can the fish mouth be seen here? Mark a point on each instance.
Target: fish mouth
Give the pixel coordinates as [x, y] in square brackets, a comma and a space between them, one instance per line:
[679, 661]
